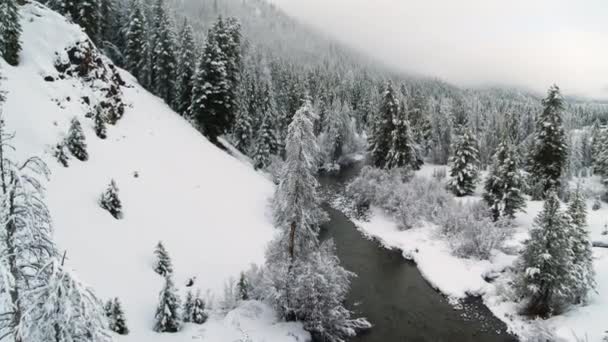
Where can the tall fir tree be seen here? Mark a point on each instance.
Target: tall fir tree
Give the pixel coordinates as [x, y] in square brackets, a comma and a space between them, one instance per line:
[581, 247]
[188, 307]
[464, 164]
[162, 54]
[504, 185]
[89, 17]
[168, 318]
[545, 277]
[265, 145]
[383, 127]
[404, 151]
[163, 265]
[549, 154]
[185, 70]
[420, 123]
[136, 42]
[10, 31]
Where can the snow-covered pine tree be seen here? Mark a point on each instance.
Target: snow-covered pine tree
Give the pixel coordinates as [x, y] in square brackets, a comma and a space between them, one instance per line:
[25, 243]
[404, 151]
[464, 164]
[89, 17]
[107, 23]
[188, 307]
[243, 287]
[76, 141]
[214, 103]
[581, 247]
[63, 309]
[168, 318]
[136, 44]
[185, 70]
[242, 129]
[162, 53]
[163, 265]
[383, 127]
[10, 31]
[419, 120]
[549, 153]
[600, 165]
[198, 314]
[504, 185]
[60, 153]
[116, 317]
[596, 141]
[99, 121]
[109, 201]
[545, 278]
[266, 144]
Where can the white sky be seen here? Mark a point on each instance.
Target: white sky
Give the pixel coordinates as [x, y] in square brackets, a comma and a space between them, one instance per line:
[525, 43]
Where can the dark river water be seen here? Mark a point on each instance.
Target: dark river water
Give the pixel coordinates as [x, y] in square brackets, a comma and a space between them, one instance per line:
[392, 294]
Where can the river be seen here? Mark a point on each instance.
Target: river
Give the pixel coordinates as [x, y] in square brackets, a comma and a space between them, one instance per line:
[392, 294]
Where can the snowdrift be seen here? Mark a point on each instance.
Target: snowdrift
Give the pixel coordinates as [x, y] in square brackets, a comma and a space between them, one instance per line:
[208, 208]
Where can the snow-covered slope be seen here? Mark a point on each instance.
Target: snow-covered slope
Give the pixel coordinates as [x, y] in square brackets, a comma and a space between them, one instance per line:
[208, 208]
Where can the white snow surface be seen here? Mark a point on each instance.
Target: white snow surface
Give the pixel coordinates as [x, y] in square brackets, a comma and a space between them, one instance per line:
[208, 208]
[458, 277]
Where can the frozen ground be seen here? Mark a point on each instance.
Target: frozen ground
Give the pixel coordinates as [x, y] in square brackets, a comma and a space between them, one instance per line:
[457, 277]
[208, 208]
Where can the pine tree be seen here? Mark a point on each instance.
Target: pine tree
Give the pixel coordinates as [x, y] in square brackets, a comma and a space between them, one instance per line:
[550, 151]
[504, 184]
[265, 146]
[214, 103]
[167, 317]
[60, 153]
[136, 49]
[464, 164]
[88, 16]
[163, 265]
[162, 55]
[546, 263]
[185, 70]
[404, 152]
[198, 315]
[383, 127]
[100, 123]
[188, 308]
[419, 120]
[116, 317]
[63, 309]
[109, 201]
[581, 247]
[76, 141]
[243, 287]
[10, 31]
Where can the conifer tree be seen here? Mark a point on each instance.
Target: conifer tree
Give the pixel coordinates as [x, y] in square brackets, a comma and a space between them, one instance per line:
[185, 70]
[109, 201]
[420, 123]
[213, 103]
[404, 152]
[198, 314]
[504, 184]
[136, 44]
[581, 247]
[188, 307]
[550, 151]
[116, 317]
[108, 15]
[383, 127]
[243, 287]
[265, 146]
[167, 317]
[60, 153]
[100, 123]
[10, 31]
[163, 265]
[162, 54]
[464, 164]
[546, 262]
[76, 141]
[88, 16]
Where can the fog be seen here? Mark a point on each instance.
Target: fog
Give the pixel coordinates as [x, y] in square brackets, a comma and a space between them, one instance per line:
[522, 43]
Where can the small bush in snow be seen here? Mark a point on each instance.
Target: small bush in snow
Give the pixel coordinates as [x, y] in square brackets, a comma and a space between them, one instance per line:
[109, 201]
[116, 317]
[597, 204]
[194, 309]
[60, 153]
[100, 123]
[76, 141]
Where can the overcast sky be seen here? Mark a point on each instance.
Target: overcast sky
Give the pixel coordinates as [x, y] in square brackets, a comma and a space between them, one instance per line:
[526, 43]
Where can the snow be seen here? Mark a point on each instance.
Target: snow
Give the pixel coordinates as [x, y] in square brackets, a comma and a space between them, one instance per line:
[457, 277]
[208, 208]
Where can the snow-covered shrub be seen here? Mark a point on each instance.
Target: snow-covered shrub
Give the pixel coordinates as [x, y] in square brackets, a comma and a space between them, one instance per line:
[99, 121]
[116, 317]
[194, 309]
[76, 141]
[109, 201]
[60, 153]
[597, 204]
[471, 232]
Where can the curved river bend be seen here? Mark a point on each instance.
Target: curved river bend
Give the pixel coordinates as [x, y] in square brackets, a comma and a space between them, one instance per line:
[392, 294]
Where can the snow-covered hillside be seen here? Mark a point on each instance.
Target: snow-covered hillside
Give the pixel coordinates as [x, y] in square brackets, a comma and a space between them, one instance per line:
[208, 208]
